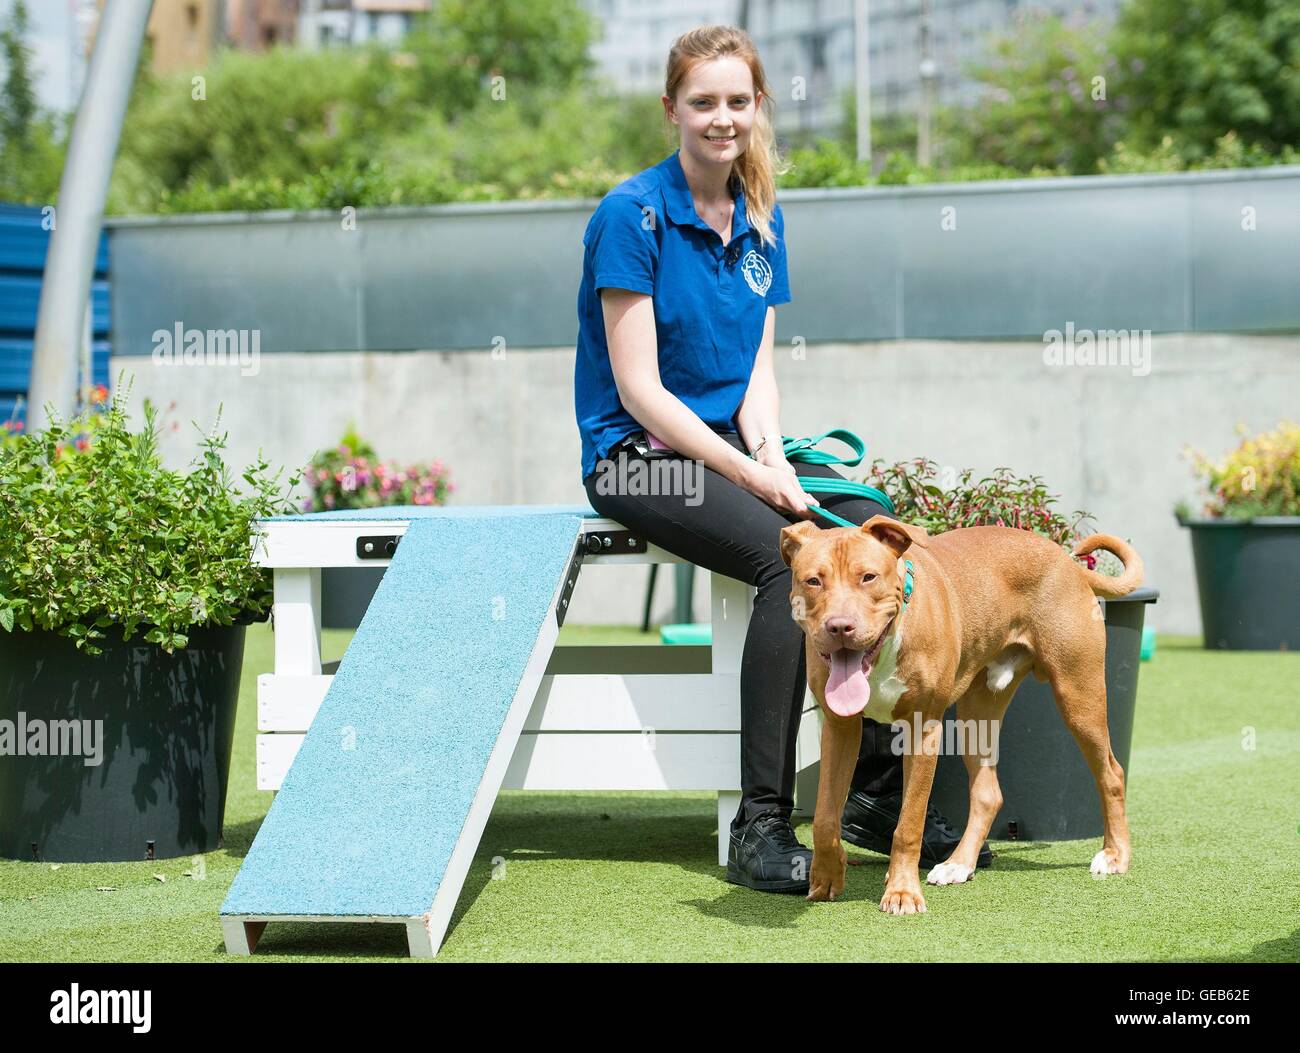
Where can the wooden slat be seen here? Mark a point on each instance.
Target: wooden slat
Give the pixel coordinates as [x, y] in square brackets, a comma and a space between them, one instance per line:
[597, 760]
[569, 702]
[625, 761]
[306, 543]
[632, 658]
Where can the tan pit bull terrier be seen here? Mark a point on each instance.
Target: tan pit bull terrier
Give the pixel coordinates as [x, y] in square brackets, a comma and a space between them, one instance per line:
[989, 605]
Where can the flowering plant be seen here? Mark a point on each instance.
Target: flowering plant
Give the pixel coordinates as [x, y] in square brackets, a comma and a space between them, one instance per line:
[1261, 477]
[96, 404]
[1000, 499]
[95, 532]
[350, 475]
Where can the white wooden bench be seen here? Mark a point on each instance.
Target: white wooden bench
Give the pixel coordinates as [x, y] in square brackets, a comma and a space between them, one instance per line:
[605, 717]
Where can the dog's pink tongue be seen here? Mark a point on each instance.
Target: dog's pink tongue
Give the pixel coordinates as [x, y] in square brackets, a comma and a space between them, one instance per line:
[847, 689]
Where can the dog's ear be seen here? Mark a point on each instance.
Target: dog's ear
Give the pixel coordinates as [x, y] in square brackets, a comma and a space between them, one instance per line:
[898, 536]
[793, 537]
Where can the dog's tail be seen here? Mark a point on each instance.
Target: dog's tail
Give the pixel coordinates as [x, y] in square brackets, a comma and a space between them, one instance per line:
[1101, 584]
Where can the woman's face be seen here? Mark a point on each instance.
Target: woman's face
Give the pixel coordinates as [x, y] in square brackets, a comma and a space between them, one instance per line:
[715, 109]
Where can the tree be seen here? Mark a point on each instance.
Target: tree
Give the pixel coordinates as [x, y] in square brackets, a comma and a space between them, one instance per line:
[18, 106]
[1048, 101]
[532, 44]
[32, 142]
[1195, 70]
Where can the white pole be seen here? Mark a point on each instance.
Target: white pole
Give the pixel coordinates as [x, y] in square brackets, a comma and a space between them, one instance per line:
[862, 75]
[924, 146]
[79, 217]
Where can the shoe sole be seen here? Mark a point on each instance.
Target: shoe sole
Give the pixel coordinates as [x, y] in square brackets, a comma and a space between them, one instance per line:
[873, 842]
[736, 877]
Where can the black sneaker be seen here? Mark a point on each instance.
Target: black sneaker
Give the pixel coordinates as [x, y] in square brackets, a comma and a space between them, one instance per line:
[766, 856]
[869, 822]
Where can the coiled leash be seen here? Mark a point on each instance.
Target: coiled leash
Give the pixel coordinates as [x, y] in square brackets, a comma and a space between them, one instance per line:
[801, 451]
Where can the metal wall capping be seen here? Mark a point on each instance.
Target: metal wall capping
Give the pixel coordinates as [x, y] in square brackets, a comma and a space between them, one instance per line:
[1165, 252]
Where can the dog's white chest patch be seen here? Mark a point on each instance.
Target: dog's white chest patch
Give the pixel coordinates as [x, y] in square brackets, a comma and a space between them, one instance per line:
[885, 686]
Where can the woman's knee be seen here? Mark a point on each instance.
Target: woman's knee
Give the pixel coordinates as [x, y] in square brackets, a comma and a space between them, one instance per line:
[772, 571]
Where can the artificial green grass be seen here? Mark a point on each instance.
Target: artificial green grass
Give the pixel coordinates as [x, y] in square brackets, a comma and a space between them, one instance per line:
[633, 877]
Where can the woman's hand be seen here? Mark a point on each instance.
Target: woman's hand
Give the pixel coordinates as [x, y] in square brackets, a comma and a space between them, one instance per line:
[776, 485]
[774, 457]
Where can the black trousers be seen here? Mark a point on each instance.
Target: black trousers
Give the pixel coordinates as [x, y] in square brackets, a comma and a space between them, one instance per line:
[729, 530]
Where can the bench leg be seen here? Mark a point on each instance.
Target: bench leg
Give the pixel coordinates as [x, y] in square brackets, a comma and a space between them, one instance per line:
[728, 805]
[296, 616]
[732, 602]
[241, 936]
[805, 791]
[418, 941]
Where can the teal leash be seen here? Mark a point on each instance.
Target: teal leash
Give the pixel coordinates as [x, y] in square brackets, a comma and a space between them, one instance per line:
[803, 451]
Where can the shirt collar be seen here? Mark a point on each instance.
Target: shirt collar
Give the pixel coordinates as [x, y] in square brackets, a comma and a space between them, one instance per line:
[681, 206]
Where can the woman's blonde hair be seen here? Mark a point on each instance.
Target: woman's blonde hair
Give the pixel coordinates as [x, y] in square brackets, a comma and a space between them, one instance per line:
[757, 167]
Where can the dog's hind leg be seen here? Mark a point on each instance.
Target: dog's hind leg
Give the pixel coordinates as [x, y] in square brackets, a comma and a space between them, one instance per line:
[979, 720]
[1079, 687]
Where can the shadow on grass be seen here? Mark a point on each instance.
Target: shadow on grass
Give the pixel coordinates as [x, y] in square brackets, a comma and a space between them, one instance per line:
[1284, 949]
[653, 830]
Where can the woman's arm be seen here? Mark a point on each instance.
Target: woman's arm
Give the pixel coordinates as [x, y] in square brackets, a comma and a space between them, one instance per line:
[634, 358]
[760, 412]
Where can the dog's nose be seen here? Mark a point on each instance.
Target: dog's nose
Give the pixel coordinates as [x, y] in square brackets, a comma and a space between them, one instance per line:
[841, 627]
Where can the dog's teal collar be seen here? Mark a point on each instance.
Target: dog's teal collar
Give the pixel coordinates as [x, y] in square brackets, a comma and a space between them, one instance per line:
[907, 583]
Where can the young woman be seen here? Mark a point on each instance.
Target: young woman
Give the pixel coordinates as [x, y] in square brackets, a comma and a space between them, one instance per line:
[684, 266]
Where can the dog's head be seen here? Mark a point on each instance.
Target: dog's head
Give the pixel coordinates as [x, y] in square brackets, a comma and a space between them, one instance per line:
[846, 592]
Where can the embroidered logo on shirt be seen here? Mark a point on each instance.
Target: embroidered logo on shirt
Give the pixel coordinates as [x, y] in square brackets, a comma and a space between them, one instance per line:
[757, 271]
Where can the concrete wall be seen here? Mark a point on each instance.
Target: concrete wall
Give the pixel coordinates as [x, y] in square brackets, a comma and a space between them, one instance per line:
[1107, 440]
[447, 332]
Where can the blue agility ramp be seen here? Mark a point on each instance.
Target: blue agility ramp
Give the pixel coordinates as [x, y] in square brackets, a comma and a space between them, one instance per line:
[381, 812]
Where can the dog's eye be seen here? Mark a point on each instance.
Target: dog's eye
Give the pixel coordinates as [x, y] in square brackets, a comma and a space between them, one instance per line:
[812, 581]
[868, 577]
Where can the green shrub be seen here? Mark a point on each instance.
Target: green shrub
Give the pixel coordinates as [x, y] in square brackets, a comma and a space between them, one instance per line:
[1000, 499]
[95, 532]
[1261, 477]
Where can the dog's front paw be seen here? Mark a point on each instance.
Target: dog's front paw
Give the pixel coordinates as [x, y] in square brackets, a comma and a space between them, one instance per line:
[1108, 861]
[950, 874]
[903, 901]
[826, 881]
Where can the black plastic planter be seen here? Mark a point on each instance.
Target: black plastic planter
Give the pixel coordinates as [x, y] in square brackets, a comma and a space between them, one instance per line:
[345, 593]
[1248, 582]
[168, 721]
[1048, 793]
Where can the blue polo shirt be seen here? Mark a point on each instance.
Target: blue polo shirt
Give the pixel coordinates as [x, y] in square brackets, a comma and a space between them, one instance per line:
[710, 301]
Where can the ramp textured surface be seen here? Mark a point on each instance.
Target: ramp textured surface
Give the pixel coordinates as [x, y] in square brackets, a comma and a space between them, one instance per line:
[370, 811]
